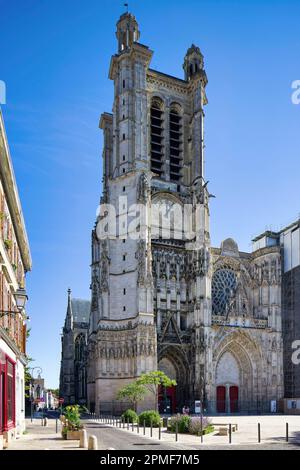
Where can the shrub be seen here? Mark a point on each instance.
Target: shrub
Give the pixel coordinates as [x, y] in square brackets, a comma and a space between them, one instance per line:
[73, 417]
[83, 409]
[195, 426]
[130, 415]
[182, 421]
[8, 244]
[149, 416]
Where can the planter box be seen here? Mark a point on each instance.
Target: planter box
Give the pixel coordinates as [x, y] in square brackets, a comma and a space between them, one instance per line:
[73, 435]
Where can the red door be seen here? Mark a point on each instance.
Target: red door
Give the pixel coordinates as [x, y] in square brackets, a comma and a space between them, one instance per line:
[234, 398]
[167, 399]
[221, 399]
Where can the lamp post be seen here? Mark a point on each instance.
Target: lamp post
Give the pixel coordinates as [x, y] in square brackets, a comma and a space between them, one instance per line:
[32, 385]
[20, 298]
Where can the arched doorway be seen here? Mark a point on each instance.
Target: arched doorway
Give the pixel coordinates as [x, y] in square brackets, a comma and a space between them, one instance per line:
[167, 395]
[227, 383]
[172, 361]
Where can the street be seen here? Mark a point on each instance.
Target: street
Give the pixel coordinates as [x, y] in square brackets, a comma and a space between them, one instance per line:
[109, 437]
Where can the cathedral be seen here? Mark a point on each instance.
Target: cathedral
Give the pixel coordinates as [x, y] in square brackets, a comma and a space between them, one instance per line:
[210, 318]
[72, 381]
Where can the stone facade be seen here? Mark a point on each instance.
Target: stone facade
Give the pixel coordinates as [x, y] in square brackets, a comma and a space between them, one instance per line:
[288, 240]
[72, 386]
[210, 318]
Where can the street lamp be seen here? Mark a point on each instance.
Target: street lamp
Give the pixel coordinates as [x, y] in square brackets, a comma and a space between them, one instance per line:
[20, 298]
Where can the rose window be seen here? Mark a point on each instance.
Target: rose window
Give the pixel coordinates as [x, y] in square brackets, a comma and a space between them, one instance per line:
[223, 290]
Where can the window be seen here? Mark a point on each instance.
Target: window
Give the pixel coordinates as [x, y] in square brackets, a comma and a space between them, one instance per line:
[124, 240]
[123, 116]
[124, 309]
[124, 158]
[183, 322]
[123, 101]
[124, 136]
[223, 291]
[124, 83]
[10, 401]
[124, 189]
[175, 145]
[124, 170]
[79, 348]
[124, 257]
[124, 291]
[156, 114]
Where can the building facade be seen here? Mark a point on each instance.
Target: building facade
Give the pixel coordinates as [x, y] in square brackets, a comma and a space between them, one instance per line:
[40, 396]
[288, 240]
[162, 297]
[15, 262]
[72, 386]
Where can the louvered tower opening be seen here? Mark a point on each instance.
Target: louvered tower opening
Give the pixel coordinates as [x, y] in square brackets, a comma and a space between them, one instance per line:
[157, 138]
[175, 145]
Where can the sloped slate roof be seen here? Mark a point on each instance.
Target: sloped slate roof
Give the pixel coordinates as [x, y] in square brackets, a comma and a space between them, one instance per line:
[81, 310]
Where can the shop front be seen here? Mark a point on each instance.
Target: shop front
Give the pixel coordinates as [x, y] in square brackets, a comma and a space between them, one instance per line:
[7, 393]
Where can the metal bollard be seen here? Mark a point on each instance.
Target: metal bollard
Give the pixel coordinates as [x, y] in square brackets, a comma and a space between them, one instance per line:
[159, 432]
[144, 427]
[287, 432]
[132, 427]
[56, 425]
[138, 427]
[230, 434]
[127, 424]
[151, 428]
[258, 432]
[176, 432]
[123, 423]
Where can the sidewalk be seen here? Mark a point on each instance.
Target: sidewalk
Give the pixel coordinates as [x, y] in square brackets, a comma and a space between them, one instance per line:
[273, 431]
[43, 438]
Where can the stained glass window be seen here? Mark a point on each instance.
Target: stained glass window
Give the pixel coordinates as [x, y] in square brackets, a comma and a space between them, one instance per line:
[223, 288]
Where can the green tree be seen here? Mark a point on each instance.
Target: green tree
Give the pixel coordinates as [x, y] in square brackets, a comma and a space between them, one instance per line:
[152, 380]
[133, 392]
[27, 377]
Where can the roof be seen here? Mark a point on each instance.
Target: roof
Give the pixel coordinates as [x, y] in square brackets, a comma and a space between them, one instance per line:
[181, 80]
[81, 310]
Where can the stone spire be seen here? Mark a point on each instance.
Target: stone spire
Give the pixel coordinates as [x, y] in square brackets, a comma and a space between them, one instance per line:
[193, 62]
[69, 316]
[127, 31]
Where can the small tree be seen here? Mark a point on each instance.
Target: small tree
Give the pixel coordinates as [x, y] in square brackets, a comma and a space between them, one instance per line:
[133, 392]
[152, 380]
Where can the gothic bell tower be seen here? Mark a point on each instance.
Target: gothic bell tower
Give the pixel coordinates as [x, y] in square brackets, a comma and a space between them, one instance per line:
[151, 286]
[122, 327]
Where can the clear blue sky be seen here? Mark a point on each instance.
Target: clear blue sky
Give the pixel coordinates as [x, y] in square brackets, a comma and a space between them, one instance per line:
[55, 56]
